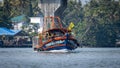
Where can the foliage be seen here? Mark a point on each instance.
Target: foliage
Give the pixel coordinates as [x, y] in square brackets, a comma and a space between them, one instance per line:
[97, 23]
[73, 13]
[104, 15]
[12, 8]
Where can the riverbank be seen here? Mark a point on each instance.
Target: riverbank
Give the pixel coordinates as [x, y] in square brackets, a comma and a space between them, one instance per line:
[16, 46]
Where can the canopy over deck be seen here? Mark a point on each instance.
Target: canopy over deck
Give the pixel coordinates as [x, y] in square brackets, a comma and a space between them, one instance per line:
[9, 32]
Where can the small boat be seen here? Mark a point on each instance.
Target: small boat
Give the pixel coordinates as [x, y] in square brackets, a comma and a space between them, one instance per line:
[55, 37]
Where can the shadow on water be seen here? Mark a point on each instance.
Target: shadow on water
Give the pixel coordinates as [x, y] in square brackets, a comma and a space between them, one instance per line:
[55, 53]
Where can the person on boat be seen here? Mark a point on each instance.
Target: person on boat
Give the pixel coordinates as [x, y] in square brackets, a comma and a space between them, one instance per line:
[53, 35]
[47, 35]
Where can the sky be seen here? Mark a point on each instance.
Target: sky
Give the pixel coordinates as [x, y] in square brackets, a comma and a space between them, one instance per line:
[84, 1]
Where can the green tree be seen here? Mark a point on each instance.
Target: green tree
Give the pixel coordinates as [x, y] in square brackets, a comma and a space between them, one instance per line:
[73, 12]
[103, 15]
[5, 15]
[12, 8]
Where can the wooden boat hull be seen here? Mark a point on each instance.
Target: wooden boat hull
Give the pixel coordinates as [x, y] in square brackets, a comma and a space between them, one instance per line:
[55, 37]
[58, 43]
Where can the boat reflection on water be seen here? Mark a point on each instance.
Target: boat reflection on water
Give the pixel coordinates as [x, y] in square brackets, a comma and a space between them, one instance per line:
[54, 37]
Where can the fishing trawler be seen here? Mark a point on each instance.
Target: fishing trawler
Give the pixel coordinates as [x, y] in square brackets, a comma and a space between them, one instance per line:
[55, 37]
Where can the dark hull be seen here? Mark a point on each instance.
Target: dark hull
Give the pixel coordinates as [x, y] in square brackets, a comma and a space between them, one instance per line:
[58, 45]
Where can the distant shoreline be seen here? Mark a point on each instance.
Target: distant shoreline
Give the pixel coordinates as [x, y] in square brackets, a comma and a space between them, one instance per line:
[23, 46]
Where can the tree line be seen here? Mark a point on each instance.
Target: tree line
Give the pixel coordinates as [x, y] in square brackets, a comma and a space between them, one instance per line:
[13, 8]
[97, 23]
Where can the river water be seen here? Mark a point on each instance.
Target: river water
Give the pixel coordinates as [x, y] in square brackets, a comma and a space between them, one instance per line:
[80, 58]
